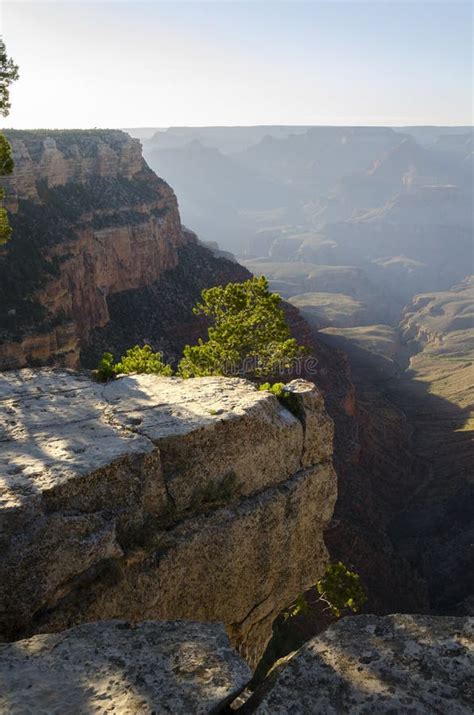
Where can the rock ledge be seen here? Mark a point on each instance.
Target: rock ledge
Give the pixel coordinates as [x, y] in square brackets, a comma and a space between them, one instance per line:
[113, 666]
[157, 498]
[370, 664]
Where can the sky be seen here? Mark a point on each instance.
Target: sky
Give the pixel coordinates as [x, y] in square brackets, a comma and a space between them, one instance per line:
[157, 64]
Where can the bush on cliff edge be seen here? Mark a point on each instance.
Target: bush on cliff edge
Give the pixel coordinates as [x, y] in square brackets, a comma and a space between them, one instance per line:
[137, 359]
[248, 335]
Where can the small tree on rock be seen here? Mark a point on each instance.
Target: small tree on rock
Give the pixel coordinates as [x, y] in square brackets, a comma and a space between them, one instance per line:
[248, 335]
[339, 588]
[143, 360]
[8, 74]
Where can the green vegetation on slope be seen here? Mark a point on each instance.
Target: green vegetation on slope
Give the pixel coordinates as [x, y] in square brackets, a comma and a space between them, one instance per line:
[8, 75]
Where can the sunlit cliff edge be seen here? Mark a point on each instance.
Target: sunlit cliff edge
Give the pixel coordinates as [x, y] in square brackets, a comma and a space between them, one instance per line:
[160, 498]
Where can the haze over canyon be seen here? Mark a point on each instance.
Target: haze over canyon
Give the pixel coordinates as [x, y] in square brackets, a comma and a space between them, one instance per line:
[236, 359]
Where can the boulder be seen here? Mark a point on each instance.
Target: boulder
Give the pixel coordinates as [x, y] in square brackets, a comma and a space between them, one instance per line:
[115, 666]
[371, 664]
[159, 498]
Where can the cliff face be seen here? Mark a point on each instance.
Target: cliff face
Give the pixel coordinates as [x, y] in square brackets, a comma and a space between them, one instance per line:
[90, 220]
[161, 313]
[60, 157]
[159, 498]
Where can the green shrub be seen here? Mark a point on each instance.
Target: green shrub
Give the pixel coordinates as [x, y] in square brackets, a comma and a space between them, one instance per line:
[142, 360]
[106, 367]
[276, 389]
[339, 588]
[248, 335]
[137, 359]
[285, 397]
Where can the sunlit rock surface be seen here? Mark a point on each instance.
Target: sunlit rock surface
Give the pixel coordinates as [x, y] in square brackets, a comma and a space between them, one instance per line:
[115, 666]
[154, 497]
[369, 664]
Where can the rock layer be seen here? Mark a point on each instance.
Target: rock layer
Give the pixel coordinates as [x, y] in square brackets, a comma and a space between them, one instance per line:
[160, 498]
[114, 666]
[369, 664]
[89, 220]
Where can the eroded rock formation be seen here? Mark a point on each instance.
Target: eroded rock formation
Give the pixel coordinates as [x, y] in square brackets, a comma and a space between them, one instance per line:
[90, 222]
[161, 498]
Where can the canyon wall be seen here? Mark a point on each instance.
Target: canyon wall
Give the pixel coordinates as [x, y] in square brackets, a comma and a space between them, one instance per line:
[436, 529]
[90, 221]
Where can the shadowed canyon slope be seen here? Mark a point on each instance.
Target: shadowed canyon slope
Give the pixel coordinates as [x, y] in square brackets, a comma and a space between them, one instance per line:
[439, 401]
[423, 370]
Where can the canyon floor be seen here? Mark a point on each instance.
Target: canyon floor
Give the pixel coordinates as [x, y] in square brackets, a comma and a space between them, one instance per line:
[425, 368]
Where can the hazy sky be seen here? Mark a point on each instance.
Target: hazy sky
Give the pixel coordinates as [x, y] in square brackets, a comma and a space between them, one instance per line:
[131, 64]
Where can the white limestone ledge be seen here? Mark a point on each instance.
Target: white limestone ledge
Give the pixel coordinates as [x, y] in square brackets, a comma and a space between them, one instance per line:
[92, 476]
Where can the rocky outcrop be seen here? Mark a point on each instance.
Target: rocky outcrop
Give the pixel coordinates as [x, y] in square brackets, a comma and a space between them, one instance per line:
[162, 498]
[115, 666]
[90, 222]
[443, 322]
[368, 664]
[363, 664]
[60, 157]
